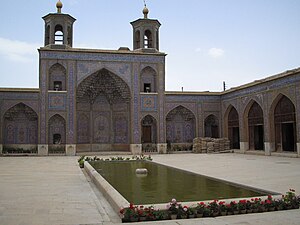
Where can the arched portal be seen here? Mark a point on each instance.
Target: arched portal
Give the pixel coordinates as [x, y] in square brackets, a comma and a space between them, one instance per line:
[20, 127]
[211, 125]
[149, 134]
[148, 80]
[56, 134]
[233, 129]
[285, 125]
[57, 78]
[256, 127]
[103, 109]
[180, 125]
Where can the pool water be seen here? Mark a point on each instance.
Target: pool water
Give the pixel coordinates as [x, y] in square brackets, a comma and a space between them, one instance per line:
[164, 183]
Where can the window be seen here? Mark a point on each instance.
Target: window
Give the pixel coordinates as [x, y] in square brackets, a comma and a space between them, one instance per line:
[59, 35]
[57, 85]
[148, 39]
[137, 39]
[147, 87]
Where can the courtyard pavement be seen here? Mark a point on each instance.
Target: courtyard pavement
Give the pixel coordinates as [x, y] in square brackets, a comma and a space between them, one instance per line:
[54, 190]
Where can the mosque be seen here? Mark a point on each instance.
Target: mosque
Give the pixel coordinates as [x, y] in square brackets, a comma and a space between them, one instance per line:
[115, 100]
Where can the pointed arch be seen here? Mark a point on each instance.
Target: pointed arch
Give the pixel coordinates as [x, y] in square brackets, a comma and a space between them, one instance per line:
[149, 129]
[57, 78]
[255, 125]
[233, 129]
[148, 39]
[137, 37]
[58, 35]
[211, 126]
[283, 119]
[20, 126]
[57, 130]
[181, 125]
[103, 109]
[148, 80]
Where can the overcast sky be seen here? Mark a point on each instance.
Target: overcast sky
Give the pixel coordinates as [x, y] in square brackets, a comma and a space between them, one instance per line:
[207, 41]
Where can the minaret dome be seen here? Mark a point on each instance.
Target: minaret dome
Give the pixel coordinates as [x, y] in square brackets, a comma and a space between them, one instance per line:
[59, 6]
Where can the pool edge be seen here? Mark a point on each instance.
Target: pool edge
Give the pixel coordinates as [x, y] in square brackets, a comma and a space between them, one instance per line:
[115, 199]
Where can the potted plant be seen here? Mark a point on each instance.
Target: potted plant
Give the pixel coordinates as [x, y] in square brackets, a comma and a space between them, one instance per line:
[191, 212]
[229, 209]
[291, 200]
[234, 207]
[270, 203]
[142, 213]
[255, 203]
[280, 204]
[249, 208]
[242, 206]
[81, 161]
[200, 209]
[214, 208]
[160, 215]
[183, 212]
[130, 214]
[222, 208]
[173, 209]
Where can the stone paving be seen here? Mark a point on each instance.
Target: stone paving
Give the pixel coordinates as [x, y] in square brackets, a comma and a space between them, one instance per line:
[53, 190]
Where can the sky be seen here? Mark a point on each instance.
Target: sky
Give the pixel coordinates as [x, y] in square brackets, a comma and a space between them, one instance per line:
[207, 41]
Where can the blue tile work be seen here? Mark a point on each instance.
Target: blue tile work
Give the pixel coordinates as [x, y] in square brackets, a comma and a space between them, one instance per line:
[57, 101]
[43, 105]
[85, 69]
[136, 125]
[148, 103]
[267, 86]
[102, 57]
[71, 106]
[18, 95]
[191, 98]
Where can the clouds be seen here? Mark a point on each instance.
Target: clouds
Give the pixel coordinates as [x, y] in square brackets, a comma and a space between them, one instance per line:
[216, 52]
[18, 51]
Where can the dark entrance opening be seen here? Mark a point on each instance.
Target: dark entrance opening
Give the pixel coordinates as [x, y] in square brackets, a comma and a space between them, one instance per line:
[256, 127]
[211, 127]
[288, 138]
[56, 139]
[147, 134]
[235, 138]
[233, 129]
[258, 137]
[285, 125]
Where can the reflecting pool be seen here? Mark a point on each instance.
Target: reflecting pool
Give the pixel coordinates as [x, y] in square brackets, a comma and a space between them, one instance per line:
[163, 183]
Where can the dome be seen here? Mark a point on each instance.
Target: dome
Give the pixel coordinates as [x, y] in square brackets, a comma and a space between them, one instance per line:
[145, 12]
[59, 4]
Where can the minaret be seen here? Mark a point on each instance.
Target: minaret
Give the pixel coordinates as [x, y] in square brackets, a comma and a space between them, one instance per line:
[145, 32]
[59, 28]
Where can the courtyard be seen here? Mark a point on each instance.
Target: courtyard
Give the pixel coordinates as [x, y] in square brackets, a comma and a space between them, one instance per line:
[54, 190]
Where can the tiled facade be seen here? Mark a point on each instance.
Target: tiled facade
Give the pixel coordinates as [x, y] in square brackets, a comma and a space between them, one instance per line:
[115, 100]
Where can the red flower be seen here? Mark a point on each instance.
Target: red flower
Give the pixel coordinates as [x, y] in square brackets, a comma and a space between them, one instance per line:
[131, 206]
[268, 201]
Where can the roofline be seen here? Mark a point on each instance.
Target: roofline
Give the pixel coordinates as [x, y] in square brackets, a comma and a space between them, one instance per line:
[37, 90]
[121, 52]
[264, 80]
[58, 14]
[142, 19]
[193, 93]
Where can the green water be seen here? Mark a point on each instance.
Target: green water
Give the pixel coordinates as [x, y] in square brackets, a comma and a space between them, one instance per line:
[164, 183]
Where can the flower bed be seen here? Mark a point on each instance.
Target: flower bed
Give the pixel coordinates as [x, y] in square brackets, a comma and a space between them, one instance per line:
[175, 210]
